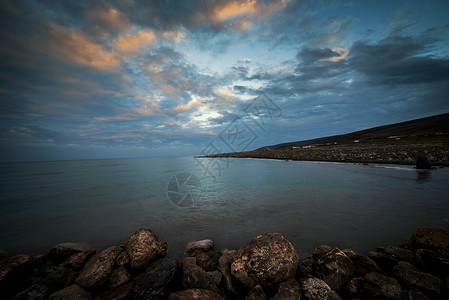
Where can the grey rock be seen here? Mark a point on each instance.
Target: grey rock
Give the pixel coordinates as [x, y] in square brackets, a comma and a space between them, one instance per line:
[34, 292]
[195, 294]
[71, 292]
[288, 290]
[216, 276]
[257, 293]
[120, 276]
[144, 247]
[224, 266]
[97, 270]
[194, 277]
[157, 280]
[201, 246]
[334, 267]
[268, 259]
[379, 286]
[412, 277]
[317, 289]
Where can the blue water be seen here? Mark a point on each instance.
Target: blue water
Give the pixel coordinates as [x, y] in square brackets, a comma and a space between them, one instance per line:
[102, 202]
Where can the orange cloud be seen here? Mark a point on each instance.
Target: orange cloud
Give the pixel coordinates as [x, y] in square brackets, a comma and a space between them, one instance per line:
[131, 43]
[249, 8]
[109, 18]
[186, 107]
[79, 48]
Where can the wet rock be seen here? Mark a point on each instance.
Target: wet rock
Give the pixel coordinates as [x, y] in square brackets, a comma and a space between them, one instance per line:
[78, 260]
[188, 261]
[362, 264]
[379, 286]
[216, 276]
[421, 161]
[305, 267]
[58, 277]
[207, 260]
[415, 295]
[436, 239]
[268, 259]
[195, 294]
[194, 277]
[257, 293]
[120, 276]
[157, 280]
[63, 251]
[120, 293]
[316, 289]
[98, 269]
[14, 273]
[144, 247]
[122, 259]
[71, 292]
[35, 292]
[224, 266]
[288, 290]
[388, 257]
[199, 246]
[431, 262]
[352, 288]
[334, 267]
[412, 277]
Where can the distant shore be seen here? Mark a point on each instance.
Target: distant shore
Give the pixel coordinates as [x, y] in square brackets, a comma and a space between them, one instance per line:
[378, 153]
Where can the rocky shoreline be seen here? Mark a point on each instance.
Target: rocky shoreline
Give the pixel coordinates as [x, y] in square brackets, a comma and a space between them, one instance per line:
[379, 153]
[266, 268]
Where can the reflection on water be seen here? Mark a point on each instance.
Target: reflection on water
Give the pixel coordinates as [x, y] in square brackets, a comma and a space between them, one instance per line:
[102, 202]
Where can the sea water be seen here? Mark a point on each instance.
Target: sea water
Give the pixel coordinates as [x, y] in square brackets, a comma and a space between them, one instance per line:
[102, 202]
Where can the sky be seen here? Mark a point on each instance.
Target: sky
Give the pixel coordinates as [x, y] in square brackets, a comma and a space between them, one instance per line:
[129, 78]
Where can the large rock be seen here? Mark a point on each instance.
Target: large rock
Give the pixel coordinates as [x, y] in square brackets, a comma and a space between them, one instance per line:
[256, 293]
[317, 289]
[305, 267]
[362, 264]
[431, 262]
[122, 259]
[388, 257]
[144, 247]
[379, 286]
[422, 162]
[35, 292]
[157, 280]
[71, 292]
[195, 294]
[97, 270]
[334, 267]
[436, 239]
[268, 259]
[412, 277]
[123, 292]
[224, 266]
[58, 277]
[79, 259]
[194, 277]
[288, 290]
[14, 273]
[207, 260]
[120, 276]
[199, 246]
[63, 251]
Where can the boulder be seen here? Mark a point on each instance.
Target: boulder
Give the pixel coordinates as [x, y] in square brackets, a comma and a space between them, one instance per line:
[97, 270]
[412, 277]
[379, 286]
[79, 259]
[432, 262]
[305, 267]
[436, 239]
[120, 276]
[362, 264]
[388, 257]
[58, 277]
[224, 266]
[35, 292]
[352, 288]
[288, 290]
[71, 292]
[195, 294]
[14, 273]
[63, 251]
[316, 289]
[257, 293]
[268, 259]
[421, 161]
[191, 260]
[216, 276]
[194, 277]
[144, 247]
[207, 260]
[334, 267]
[199, 246]
[122, 259]
[120, 293]
[157, 280]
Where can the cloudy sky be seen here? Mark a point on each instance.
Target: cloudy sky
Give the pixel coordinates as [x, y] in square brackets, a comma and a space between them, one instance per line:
[126, 78]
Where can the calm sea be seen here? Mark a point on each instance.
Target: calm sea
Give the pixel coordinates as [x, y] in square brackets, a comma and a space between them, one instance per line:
[102, 202]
